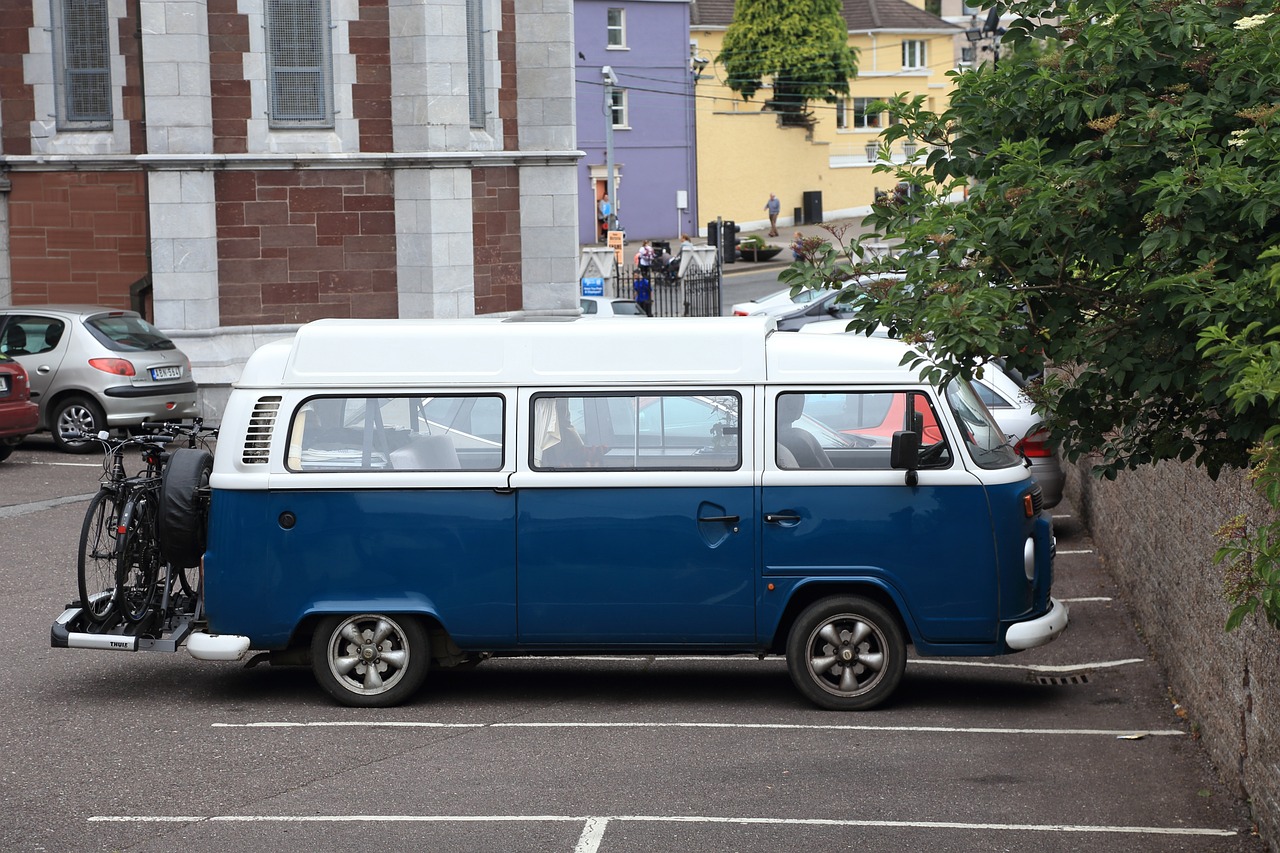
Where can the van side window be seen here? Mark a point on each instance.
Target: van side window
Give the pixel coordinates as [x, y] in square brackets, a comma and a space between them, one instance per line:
[631, 433]
[403, 433]
[854, 430]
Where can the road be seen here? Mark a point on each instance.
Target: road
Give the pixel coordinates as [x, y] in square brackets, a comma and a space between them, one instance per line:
[745, 281]
[1072, 747]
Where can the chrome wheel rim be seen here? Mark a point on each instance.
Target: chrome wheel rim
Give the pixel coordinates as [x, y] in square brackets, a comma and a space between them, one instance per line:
[75, 419]
[368, 654]
[846, 655]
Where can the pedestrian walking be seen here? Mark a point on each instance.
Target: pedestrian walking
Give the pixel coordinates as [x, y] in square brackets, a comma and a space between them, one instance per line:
[772, 206]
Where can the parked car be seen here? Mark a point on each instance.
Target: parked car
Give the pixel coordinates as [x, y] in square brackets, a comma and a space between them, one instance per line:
[19, 416]
[93, 368]
[779, 300]
[824, 306]
[1002, 392]
[608, 306]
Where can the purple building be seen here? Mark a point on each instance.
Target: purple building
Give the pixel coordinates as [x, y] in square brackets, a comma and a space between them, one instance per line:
[649, 98]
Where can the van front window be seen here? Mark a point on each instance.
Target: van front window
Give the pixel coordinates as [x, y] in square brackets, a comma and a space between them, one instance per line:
[987, 443]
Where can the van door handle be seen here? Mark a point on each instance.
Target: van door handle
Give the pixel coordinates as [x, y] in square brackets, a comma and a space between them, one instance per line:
[781, 518]
[725, 519]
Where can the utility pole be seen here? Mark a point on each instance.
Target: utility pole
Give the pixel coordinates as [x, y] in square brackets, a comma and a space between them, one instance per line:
[610, 81]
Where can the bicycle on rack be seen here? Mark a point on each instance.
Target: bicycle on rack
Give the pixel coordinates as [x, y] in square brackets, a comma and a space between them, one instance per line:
[122, 558]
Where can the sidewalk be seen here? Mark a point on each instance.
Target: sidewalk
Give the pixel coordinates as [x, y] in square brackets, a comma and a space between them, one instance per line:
[786, 234]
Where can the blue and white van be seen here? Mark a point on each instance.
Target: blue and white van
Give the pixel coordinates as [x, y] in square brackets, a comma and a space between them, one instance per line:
[392, 496]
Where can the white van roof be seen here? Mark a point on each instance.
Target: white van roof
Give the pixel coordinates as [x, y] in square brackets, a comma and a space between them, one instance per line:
[497, 352]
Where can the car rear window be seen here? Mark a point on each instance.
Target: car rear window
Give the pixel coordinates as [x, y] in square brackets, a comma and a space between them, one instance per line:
[125, 332]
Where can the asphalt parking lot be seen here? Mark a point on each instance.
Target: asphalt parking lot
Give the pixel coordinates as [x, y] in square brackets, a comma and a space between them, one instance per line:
[1074, 746]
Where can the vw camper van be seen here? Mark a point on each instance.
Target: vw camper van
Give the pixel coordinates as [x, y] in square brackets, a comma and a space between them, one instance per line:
[393, 496]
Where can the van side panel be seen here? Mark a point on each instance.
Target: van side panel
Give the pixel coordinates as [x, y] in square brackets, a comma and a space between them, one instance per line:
[933, 545]
[445, 552]
[641, 566]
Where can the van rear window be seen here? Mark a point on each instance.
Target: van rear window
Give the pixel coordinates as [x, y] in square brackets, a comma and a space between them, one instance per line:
[401, 433]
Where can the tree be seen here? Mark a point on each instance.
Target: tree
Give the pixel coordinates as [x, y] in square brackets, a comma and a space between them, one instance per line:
[1122, 171]
[802, 46]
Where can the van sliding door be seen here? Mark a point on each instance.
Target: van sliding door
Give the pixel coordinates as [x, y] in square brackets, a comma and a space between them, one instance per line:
[635, 520]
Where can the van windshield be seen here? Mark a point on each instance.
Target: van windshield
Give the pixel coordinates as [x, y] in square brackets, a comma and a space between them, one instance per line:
[987, 443]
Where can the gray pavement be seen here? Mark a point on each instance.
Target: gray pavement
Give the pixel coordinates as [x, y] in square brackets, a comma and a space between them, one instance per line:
[1075, 746]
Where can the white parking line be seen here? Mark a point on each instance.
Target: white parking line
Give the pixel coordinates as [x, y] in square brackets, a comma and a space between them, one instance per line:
[594, 825]
[1081, 551]
[838, 727]
[1030, 667]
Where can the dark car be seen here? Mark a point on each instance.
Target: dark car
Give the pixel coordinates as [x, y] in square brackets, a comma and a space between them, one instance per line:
[19, 416]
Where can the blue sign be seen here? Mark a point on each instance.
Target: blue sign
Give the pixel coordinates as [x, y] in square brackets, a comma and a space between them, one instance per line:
[593, 287]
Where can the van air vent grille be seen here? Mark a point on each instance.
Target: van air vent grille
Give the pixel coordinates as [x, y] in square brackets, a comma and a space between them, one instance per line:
[257, 440]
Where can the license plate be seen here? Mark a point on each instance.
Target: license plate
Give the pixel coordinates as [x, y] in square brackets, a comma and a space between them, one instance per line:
[166, 373]
[4, 384]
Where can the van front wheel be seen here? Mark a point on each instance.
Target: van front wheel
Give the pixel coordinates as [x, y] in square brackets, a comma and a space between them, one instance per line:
[371, 660]
[846, 653]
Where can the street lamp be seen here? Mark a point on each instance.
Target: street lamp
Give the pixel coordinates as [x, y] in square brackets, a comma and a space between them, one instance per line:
[610, 81]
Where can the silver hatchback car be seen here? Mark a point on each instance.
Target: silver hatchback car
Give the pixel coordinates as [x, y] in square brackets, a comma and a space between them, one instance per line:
[95, 368]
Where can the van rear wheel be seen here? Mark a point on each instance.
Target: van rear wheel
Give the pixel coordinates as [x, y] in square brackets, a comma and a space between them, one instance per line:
[371, 660]
[846, 653]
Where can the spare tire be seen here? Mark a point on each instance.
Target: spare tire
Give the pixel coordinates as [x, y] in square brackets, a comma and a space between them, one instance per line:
[184, 507]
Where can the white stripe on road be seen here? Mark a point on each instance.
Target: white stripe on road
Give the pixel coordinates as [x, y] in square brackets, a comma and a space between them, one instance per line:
[594, 826]
[1030, 667]
[592, 834]
[838, 727]
[1083, 551]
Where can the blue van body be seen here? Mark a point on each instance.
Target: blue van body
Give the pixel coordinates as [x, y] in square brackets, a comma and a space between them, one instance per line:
[692, 528]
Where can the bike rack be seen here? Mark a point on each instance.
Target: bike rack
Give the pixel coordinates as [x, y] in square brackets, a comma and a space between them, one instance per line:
[67, 633]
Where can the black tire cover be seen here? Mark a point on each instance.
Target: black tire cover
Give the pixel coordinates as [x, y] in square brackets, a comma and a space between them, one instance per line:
[184, 513]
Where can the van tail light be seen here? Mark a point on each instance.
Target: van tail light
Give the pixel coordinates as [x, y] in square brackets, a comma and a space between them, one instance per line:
[118, 366]
[1035, 444]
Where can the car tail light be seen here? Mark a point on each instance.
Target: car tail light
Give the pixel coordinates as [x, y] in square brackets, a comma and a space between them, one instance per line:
[742, 313]
[118, 366]
[1035, 444]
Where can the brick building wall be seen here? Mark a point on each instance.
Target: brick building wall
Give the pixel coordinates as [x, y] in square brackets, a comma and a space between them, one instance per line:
[77, 237]
[1155, 531]
[295, 246]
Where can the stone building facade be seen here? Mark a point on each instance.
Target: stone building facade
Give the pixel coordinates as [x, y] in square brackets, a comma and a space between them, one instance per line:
[234, 168]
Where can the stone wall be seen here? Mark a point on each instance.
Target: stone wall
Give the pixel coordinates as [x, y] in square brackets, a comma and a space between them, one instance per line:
[1154, 529]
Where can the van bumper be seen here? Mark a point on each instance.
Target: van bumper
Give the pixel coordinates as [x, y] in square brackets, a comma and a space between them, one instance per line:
[203, 646]
[1037, 632]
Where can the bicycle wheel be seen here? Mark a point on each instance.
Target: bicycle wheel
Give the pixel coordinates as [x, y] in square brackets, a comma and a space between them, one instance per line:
[96, 565]
[138, 567]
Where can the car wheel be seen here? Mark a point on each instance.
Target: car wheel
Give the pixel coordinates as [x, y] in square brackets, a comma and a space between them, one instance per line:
[846, 653]
[184, 508]
[76, 415]
[371, 660]
[7, 446]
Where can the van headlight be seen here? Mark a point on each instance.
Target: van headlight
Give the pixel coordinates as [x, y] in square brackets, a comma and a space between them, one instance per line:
[1029, 558]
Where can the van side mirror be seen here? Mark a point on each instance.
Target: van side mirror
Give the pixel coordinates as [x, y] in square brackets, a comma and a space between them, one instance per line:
[904, 453]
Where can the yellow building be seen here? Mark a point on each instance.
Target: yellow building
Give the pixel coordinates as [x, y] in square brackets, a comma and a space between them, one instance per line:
[744, 154]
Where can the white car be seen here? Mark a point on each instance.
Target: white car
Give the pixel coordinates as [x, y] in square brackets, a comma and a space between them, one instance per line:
[779, 300]
[610, 306]
[1012, 409]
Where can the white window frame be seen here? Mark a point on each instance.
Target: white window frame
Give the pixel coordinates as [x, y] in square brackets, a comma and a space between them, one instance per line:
[82, 64]
[476, 79]
[618, 108]
[317, 76]
[863, 120]
[915, 54]
[842, 114]
[615, 30]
